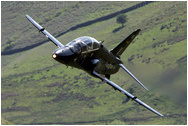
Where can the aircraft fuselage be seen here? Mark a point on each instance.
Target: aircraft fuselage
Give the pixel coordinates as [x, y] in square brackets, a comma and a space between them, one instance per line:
[88, 54]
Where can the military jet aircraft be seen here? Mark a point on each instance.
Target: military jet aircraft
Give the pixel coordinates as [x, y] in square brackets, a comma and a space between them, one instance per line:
[92, 56]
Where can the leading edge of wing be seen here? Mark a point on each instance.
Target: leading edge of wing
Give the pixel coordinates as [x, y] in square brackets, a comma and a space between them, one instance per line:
[127, 93]
[46, 33]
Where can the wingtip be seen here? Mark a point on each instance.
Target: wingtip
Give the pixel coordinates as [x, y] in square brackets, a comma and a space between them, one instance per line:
[27, 16]
[161, 115]
[138, 30]
[142, 85]
[145, 88]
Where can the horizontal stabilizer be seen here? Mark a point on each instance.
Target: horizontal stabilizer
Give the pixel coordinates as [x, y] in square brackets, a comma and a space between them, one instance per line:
[122, 66]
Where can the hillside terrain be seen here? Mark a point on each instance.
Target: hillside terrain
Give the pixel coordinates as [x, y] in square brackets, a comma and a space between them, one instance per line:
[63, 16]
[35, 89]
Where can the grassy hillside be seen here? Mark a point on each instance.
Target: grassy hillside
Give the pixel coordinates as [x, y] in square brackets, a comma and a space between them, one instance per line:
[37, 90]
[5, 122]
[56, 16]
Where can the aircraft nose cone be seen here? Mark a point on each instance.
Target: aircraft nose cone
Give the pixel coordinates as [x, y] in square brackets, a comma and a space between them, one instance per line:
[54, 55]
[63, 55]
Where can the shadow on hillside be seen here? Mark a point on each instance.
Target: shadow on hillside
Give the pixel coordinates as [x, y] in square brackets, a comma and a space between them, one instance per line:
[117, 29]
[87, 23]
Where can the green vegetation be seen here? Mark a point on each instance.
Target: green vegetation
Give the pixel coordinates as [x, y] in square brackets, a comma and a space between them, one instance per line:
[5, 122]
[121, 19]
[63, 16]
[35, 89]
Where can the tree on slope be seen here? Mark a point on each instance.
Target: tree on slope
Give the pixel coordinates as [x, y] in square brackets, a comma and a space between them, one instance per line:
[121, 19]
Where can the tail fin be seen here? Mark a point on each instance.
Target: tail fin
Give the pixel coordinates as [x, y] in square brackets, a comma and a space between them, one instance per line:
[119, 49]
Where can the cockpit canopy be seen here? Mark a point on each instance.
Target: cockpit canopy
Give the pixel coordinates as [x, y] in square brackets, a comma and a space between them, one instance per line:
[83, 45]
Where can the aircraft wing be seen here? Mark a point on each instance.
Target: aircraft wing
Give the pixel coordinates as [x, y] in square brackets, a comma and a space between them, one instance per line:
[46, 33]
[115, 86]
